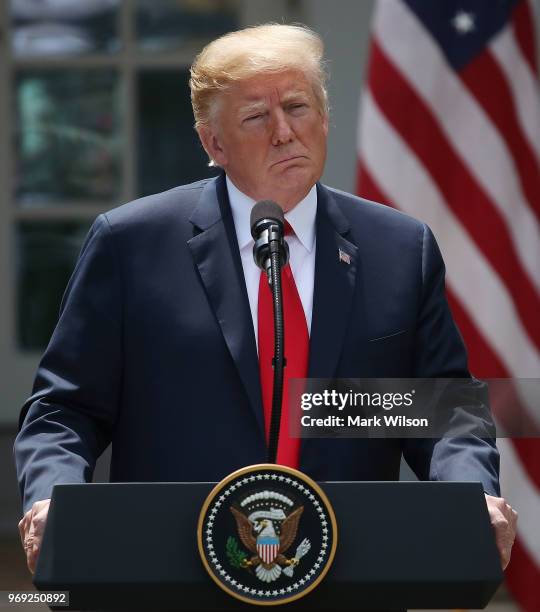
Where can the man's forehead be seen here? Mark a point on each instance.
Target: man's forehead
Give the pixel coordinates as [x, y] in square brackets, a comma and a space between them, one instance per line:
[284, 86]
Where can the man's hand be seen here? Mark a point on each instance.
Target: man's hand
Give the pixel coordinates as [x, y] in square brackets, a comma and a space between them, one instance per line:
[31, 528]
[503, 519]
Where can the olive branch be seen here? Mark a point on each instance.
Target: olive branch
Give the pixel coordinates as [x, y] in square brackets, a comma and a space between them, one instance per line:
[236, 556]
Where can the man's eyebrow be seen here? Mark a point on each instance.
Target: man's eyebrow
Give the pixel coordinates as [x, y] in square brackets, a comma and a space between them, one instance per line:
[252, 107]
[294, 96]
[260, 105]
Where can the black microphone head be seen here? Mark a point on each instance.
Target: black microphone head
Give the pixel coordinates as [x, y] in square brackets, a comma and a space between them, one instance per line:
[265, 209]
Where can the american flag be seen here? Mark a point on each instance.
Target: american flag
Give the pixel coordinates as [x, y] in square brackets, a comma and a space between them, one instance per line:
[450, 134]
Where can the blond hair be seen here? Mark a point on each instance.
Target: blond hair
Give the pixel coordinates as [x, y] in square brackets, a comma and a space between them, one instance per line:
[236, 56]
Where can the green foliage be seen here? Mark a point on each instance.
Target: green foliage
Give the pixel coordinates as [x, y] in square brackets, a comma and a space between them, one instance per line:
[236, 556]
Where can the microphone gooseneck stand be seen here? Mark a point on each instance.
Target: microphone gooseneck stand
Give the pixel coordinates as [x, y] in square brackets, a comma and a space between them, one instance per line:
[270, 253]
[279, 361]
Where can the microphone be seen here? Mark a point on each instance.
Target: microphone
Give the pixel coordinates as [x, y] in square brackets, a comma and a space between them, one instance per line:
[267, 228]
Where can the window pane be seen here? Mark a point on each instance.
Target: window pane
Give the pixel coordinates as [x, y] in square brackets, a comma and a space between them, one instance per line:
[46, 256]
[67, 138]
[63, 27]
[168, 148]
[164, 25]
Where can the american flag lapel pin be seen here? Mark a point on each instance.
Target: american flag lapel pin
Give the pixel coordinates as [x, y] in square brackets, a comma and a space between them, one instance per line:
[344, 257]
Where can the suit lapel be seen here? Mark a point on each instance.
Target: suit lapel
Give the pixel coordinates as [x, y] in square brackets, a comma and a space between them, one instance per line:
[333, 295]
[216, 254]
[335, 278]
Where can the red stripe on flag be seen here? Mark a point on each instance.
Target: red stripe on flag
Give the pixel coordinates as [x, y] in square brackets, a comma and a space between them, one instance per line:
[523, 578]
[523, 22]
[485, 80]
[528, 450]
[423, 134]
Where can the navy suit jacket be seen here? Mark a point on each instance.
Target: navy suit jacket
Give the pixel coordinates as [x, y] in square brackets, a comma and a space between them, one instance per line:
[155, 348]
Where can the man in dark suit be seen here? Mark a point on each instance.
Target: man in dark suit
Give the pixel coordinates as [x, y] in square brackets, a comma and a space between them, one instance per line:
[159, 342]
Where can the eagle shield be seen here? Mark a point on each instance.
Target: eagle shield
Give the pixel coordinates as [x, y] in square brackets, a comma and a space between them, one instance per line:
[268, 547]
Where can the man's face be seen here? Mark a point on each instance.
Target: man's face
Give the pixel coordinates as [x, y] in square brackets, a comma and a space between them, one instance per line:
[269, 136]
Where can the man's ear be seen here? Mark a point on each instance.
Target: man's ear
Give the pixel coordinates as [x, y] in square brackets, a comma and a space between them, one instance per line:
[212, 145]
[325, 123]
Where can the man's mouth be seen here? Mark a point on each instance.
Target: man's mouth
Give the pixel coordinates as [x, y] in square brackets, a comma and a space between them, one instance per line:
[289, 158]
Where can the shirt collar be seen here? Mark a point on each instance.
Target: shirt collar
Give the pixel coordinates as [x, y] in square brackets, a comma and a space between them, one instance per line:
[301, 217]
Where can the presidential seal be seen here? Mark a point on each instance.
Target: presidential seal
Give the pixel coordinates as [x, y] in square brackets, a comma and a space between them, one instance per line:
[267, 534]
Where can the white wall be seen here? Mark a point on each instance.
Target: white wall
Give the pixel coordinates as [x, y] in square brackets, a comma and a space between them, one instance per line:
[344, 26]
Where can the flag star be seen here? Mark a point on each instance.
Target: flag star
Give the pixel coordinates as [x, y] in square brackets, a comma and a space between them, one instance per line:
[259, 476]
[464, 22]
[289, 589]
[282, 591]
[260, 593]
[275, 593]
[281, 478]
[210, 546]
[273, 477]
[222, 572]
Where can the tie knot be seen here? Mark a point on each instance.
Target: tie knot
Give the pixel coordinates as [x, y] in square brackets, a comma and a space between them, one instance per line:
[288, 229]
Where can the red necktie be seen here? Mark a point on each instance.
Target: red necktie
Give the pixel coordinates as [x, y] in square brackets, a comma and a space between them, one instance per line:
[296, 354]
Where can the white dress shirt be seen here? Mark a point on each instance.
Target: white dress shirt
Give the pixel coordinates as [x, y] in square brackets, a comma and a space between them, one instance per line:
[301, 248]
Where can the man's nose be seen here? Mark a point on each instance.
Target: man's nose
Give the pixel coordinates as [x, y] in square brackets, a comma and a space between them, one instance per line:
[282, 132]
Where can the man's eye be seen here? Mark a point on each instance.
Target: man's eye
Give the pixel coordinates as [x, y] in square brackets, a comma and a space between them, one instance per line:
[252, 117]
[297, 107]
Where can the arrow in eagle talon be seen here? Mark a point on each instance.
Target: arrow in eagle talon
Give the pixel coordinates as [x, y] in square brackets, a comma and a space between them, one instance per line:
[302, 549]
